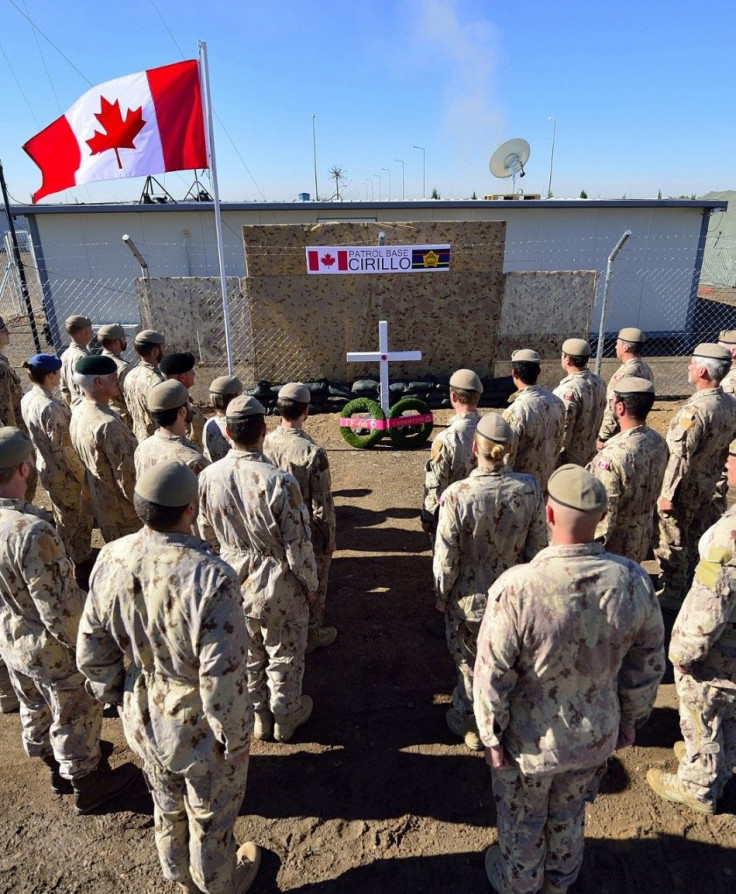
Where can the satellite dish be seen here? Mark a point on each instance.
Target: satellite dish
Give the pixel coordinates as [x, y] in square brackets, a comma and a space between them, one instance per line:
[509, 159]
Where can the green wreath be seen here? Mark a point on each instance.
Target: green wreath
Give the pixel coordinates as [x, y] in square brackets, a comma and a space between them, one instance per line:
[414, 436]
[363, 438]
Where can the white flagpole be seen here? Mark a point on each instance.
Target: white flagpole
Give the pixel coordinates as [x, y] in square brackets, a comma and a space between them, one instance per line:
[209, 130]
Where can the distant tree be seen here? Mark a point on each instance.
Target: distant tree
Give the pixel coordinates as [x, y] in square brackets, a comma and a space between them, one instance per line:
[659, 194]
[583, 194]
[338, 174]
[474, 197]
[435, 194]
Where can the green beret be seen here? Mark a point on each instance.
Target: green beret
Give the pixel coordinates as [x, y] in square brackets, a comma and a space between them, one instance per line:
[149, 337]
[15, 447]
[176, 364]
[295, 391]
[633, 385]
[226, 385]
[712, 351]
[169, 395]
[110, 332]
[171, 483]
[495, 428]
[243, 406]
[525, 355]
[573, 487]
[633, 335]
[727, 336]
[576, 347]
[95, 365]
[75, 322]
[467, 380]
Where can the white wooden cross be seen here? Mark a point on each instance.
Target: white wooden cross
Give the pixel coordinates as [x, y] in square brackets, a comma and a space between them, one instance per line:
[383, 356]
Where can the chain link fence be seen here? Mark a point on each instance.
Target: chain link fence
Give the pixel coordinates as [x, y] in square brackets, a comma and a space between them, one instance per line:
[655, 285]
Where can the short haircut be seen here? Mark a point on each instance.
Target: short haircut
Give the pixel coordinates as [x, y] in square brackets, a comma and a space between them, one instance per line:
[577, 362]
[145, 348]
[159, 518]
[245, 431]
[633, 346]
[526, 371]
[86, 383]
[73, 328]
[221, 401]
[107, 342]
[717, 369]
[7, 475]
[165, 418]
[465, 396]
[637, 405]
[290, 409]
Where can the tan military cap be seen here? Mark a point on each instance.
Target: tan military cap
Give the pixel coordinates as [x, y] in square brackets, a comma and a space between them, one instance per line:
[243, 406]
[77, 321]
[295, 391]
[3, 325]
[575, 488]
[168, 395]
[467, 380]
[151, 337]
[171, 483]
[495, 428]
[727, 336]
[110, 331]
[15, 447]
[226, 385]
[633, 385]
[576, 347]
[525, 355]
[712, 351]
[633, 335]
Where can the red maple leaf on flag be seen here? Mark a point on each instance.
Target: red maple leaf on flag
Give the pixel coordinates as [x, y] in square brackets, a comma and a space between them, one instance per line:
[119, 132]
[327, 260]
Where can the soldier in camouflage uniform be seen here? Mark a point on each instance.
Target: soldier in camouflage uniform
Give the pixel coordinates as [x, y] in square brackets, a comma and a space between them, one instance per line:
[180, 367]
[584, 396]
[290, 448]
[698, 439]
[628, 348]
[488, 522]
[170, 407]
[114, 344]
[703, 652]
[262, 525]
[727, 340]
[631, 467]
[163, 637]
[40, 607]
[570, 654]
[538, 419]
[11, 393]
[214, 436]
[149, 346]
[106, 446]
[79, 329]
[60, 469]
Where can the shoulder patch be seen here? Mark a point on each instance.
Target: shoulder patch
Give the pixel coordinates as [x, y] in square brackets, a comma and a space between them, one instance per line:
[568, 395]
[603, 464]
[437, 447]
[687, 420]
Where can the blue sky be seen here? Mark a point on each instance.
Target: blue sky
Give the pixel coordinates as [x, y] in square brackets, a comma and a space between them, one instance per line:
[641, 91]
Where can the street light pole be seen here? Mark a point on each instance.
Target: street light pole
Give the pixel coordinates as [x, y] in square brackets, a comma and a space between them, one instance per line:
[314, 156]
[403, 190]
[379, 186]
[552, 155]
[424, 169]
[388, 171]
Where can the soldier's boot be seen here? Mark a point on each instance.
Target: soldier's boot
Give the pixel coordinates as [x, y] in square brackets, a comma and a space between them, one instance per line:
[471, 737]
[680, 750]
[454, 721]
[59, 785]
[494, 869]
[286, 725]
[669, 787]
[263, 727]
[320, 638]
[249, 861]
[9, 703]
[101, 785]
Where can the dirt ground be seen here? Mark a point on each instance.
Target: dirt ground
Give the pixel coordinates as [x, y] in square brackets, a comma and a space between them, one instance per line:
[374, 793]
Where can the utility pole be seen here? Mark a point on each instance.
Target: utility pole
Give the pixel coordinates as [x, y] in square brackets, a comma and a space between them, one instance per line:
[424, 169]
[314, 156]
[403, 190]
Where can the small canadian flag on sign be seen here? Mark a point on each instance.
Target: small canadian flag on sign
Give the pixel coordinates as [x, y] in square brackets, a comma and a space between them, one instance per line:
[327, 261]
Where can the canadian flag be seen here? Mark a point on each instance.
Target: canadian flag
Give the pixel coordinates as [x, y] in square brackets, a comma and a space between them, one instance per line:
[144, 123]
[327, 260]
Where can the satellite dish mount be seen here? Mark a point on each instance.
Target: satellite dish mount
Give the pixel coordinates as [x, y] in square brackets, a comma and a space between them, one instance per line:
[509, 160]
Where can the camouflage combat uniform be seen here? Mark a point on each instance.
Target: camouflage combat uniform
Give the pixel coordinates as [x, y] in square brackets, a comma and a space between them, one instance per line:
[570, 649]
[195, 429]
[728, 384]
[40, 606]
[216, 443]
[698, 440]
[163, 635]
[451, 459]
[262, 525]
[295, 452]
[60, 470]
[488, 522]
[538, 419]
[11, 394]
[584, 396]
[136, 385]
[118, 402]
[631, 467]
[71, 392]
[719, 502]
[636, 366]
[163, 447]
[704, 641]
[106, 446]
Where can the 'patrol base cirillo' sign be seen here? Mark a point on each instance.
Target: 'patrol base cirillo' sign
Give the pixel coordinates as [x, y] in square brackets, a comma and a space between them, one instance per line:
[378, 258]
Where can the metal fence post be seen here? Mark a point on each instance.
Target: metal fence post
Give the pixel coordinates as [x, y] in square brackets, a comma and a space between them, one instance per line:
[604, 307]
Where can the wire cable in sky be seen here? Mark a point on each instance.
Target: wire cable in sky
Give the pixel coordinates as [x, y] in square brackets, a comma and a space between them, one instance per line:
[20, 87]
[43, 61]
[47, 38]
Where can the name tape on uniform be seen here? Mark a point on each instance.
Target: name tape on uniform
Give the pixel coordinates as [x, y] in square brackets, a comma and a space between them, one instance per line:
[378, 258]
